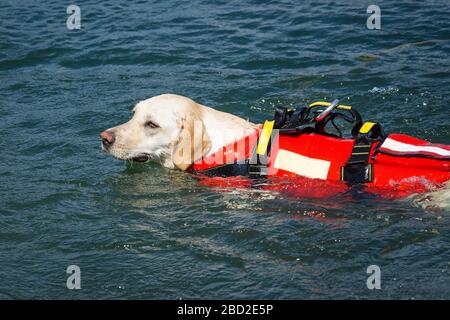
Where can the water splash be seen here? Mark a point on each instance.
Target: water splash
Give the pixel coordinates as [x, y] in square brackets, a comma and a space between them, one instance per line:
[384, 90]
[437, 199]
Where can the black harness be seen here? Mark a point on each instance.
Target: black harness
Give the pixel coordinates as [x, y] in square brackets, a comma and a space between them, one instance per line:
[358, 168]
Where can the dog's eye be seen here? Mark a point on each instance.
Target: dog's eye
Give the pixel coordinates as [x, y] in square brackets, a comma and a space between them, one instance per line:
[151, 124]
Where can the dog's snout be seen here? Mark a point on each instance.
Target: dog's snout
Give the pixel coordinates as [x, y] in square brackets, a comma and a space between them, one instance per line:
[108, 138]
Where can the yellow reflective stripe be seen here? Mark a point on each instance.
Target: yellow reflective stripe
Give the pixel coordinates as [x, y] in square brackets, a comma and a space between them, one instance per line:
[366, 127]
[265, 137]
[320, 103]
[327, 104]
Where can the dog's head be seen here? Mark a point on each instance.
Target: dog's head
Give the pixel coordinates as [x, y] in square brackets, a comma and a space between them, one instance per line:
[167, 129]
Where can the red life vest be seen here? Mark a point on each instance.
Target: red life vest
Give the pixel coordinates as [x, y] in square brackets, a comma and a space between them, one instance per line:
[316, 164]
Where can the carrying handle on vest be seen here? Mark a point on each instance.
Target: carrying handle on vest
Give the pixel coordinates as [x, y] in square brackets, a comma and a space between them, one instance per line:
[333, 111]
[327, 111]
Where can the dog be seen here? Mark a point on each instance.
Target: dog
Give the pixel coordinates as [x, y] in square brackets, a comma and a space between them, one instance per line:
[174, 131]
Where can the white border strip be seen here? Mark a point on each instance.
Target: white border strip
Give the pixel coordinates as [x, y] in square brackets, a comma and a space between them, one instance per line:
[409, 148]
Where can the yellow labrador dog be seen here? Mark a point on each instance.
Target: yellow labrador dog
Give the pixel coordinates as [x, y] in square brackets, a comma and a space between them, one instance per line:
[174, 131]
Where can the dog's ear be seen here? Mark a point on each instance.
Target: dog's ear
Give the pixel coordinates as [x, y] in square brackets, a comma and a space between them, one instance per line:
[193, 142]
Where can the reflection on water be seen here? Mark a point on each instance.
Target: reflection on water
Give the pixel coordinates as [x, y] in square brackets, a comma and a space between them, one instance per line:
[149, 190]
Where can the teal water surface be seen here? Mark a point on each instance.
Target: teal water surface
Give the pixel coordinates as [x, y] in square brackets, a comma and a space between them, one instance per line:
[145, 232]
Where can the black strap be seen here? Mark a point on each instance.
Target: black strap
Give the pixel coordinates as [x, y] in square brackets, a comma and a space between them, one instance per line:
[280, 117]
[228, 170]
[360, 152]
[258, 164]
[358, 168]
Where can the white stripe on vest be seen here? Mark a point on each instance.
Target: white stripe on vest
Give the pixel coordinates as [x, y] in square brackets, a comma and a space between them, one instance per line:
[397, 146]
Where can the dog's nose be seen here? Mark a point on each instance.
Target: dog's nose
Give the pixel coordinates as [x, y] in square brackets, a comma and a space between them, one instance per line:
[107, 138]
